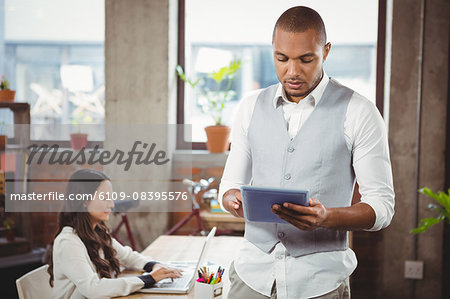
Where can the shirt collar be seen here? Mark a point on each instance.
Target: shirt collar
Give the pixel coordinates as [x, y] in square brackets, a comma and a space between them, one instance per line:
[315, 95]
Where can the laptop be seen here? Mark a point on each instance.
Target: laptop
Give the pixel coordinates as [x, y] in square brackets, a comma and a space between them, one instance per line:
[183, 284]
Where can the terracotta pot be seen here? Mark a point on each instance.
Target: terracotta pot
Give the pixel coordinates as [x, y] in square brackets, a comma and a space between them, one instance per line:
[217, 138]
[3, 141]
[10, 235]
[7, 95]
[78, 140]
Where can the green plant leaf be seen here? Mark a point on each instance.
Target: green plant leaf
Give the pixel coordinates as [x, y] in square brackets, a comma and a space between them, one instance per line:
[425, 224]
[213, 102]
[219, 75]
[443, 208]
[445, 214]
[180, 72]
[441, 197]
[183, 77]
[427, 191]
[234, 66]
[445, 198]
[226, 72]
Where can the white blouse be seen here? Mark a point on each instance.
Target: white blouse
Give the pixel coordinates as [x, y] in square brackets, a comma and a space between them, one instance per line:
[75, 275]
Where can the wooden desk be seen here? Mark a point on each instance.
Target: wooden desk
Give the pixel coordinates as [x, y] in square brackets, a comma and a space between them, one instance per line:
[222, 251]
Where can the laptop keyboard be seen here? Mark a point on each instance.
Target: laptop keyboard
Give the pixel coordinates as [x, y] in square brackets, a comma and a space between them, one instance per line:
[187, 271]
[177, 283]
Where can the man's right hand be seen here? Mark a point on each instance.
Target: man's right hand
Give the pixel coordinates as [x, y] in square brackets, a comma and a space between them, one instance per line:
[232, 202]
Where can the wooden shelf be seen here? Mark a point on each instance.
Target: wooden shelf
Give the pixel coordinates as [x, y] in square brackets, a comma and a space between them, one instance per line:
[222, 221]
[21, 112]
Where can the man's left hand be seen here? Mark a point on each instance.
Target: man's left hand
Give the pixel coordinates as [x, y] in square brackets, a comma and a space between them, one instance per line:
[305, 218]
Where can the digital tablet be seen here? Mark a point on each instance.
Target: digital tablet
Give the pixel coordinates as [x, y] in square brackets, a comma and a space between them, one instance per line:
[258, 201]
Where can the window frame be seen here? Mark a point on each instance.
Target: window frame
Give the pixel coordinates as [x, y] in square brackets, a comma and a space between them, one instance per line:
[13, 44]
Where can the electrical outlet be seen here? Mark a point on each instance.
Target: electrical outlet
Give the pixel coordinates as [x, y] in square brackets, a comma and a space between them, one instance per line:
[414, 269]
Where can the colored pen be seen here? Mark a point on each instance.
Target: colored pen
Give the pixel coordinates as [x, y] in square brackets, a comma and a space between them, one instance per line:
[209, 279]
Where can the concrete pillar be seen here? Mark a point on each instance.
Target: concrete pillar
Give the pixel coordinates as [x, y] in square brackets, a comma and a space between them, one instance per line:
[140, 59]
[418, 105]
[139, 54]
[432, 144]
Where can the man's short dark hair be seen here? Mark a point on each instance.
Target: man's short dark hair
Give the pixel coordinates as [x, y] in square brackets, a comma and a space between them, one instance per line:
[301, 19]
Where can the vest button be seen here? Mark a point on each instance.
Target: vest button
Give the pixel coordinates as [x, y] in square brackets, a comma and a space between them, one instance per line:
[290, 149]
[281, 235]
[287, 176]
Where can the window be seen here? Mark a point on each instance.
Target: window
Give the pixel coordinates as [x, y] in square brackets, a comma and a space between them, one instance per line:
[236, 29]
[54, 59]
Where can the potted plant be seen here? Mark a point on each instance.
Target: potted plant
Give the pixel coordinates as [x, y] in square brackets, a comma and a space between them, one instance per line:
[213, 102]
[79, 140]
[6, 95]
[443, 208]
[8, 223]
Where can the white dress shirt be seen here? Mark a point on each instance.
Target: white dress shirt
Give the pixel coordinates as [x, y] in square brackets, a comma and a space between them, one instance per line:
[315, 274]
[75, 275]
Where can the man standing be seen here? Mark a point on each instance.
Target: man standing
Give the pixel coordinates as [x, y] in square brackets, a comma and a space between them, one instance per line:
[307, 132]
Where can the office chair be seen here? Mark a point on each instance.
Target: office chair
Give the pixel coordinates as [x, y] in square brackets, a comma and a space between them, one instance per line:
[34, 284]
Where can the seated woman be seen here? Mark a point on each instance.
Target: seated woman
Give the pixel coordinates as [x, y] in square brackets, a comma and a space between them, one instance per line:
[86, 260]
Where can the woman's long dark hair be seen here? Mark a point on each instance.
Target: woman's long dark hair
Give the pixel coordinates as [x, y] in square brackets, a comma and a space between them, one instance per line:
[74, 214]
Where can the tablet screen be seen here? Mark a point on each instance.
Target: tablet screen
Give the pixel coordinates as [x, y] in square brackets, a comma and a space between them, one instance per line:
[258, 201]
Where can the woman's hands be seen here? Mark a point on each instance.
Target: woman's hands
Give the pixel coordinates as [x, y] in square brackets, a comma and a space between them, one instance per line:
[160, 272]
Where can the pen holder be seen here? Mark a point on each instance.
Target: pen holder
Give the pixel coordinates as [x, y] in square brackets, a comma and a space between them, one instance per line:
[208, 291]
